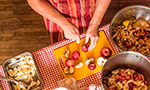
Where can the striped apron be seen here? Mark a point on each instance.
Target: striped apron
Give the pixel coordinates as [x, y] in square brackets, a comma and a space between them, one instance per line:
[79, 12]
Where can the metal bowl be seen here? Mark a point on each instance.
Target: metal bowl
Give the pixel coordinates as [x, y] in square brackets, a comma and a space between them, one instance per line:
[128, 59]
[136, 11]
[12, 63]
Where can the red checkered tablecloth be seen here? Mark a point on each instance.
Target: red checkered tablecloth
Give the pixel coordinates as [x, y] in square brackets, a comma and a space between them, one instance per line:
[49, 69]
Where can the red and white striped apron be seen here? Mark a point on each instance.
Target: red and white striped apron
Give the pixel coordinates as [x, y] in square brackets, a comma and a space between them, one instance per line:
[79, 12]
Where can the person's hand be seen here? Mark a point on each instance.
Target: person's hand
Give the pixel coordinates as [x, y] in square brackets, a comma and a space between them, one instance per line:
[72, 32]
[92, 34]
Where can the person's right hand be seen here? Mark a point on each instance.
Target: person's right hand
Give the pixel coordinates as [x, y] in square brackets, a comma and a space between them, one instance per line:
[71, 32]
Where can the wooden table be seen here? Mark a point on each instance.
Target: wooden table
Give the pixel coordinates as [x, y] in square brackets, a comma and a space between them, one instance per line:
[22, 29]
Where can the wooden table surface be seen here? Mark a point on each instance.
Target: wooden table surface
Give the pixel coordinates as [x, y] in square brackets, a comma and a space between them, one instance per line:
[23, 30]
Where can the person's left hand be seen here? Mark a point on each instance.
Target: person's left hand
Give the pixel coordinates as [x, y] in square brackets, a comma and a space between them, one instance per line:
[92, 34]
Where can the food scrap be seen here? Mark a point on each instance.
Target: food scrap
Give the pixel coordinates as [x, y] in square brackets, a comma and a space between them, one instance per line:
[66, 53]
[101, 61]
[79, 65]
[68, 70]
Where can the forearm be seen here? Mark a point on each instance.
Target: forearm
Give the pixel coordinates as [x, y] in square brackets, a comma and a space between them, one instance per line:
[47, 10]
[100, 9]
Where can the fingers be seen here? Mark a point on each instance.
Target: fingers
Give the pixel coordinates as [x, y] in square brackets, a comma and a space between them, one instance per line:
[93, 43]
[87, 39]
[78, 39]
